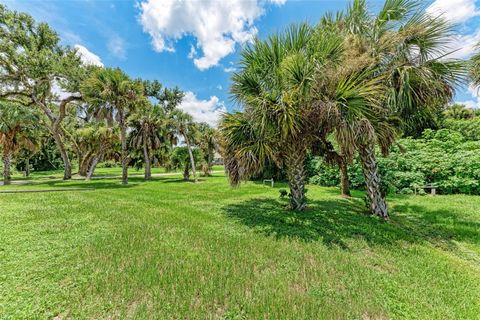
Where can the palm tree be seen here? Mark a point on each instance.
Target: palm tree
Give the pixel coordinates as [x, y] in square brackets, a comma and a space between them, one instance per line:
[186, 128]
[208, 144]
[475, 67]
[104, 138]
[408, 49]
[278, 123]
[16, 125]
[151, 130]
[180, 158]
[112, 89]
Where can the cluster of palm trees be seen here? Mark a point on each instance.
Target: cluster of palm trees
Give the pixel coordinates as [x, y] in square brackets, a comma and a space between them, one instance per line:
[46, 89]
[343, 88]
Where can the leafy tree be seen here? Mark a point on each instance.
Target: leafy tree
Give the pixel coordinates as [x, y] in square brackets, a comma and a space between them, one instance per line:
[458, 112]
[38, 71]
[16, 126]
[168, 98]
[181, 158]
[111, 89]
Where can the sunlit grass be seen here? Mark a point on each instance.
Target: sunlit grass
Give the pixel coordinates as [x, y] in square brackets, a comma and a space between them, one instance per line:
[168, 249]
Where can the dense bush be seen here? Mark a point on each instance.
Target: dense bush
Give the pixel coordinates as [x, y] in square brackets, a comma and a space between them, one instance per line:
[470, 128]
[445, 158]
[109, 164]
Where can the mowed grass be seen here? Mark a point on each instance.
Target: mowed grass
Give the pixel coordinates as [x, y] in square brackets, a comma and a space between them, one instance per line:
[99, 172]
[168, 249]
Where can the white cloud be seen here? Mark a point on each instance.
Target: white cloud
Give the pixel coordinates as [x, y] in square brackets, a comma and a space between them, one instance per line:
[217, 25]
[464, 45]
[230, 69]
[208, 111]
[457, 11]
[474, 90]
[116, 46]
[88, 57]
[474, 103]
[192, 53]
[471, 104]
[219, 87]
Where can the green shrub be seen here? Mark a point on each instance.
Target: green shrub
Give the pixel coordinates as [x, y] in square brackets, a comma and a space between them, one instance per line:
[108, 164]
[444, 157]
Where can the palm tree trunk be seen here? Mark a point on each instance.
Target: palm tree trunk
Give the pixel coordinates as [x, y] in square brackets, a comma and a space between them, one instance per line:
[27, 167]
[296, 179]
[209, 163]
[7, 157]
[378, 206]
[192, 160]
[84, 164]
[344, 183]
[93, 166]
[123, 138]
[186, 173]
[67, 173]
[146, 160]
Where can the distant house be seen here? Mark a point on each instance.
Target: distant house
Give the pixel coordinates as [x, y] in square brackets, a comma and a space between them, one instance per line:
[217, 158]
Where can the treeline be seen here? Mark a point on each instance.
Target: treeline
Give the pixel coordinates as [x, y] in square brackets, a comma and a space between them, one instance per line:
[447, 157]
[345, 90]
[55, 109]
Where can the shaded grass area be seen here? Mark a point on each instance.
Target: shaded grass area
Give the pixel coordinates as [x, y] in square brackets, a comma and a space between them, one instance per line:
[168, 249]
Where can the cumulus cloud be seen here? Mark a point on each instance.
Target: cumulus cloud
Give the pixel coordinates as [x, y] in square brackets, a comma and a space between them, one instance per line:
[464, 45]
[88, 57]
[208, 111]
[217, 25]
[456, 11]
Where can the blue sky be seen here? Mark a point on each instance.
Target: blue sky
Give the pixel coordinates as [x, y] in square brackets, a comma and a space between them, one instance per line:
[195, 44]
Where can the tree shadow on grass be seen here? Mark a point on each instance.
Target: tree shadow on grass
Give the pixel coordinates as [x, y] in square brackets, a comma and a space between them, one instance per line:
[335, 221]
[181, 180]
[96, 184]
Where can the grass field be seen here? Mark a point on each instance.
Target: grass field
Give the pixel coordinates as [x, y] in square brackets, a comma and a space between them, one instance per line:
[168, 249]
[99, 172]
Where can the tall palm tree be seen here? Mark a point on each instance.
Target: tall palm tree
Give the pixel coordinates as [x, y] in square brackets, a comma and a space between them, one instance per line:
[185, 127]
[408, 49]
[151, 130]
[207, 137]
[109, 88]
[16, 126]
[279, 121]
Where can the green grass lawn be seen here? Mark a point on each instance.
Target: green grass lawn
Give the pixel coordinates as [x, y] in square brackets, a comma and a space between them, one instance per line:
[168, 249]
[99, 172]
